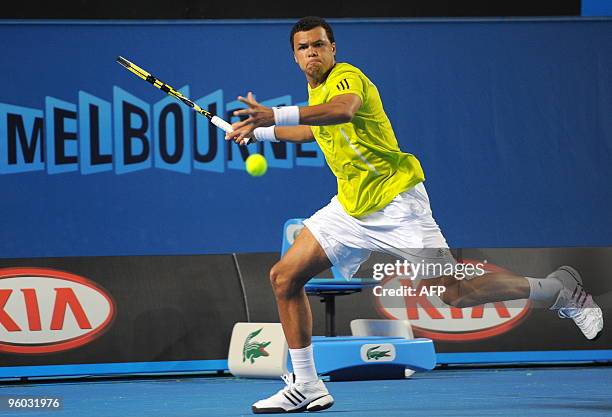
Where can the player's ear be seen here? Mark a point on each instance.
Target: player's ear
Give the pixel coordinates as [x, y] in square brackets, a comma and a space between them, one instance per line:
[333, 45]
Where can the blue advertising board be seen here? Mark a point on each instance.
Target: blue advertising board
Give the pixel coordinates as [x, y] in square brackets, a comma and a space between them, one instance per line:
[510, 119]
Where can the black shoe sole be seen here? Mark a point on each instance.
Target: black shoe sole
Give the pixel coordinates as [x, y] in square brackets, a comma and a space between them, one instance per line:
[320, 407]
[304, 408]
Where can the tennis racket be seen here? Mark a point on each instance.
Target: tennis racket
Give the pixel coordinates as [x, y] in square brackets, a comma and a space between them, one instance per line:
[215, 120]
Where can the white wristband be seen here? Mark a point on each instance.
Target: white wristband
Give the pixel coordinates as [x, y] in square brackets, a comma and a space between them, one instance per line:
[265, 134]
[286, 116]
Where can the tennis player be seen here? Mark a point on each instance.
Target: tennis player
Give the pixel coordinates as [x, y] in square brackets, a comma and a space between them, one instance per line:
[381, 205]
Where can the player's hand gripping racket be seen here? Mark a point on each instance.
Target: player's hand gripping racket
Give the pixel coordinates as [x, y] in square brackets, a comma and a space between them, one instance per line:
[215, 120]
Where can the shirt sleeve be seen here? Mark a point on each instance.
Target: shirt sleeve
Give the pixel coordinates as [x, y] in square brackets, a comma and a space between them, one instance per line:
[347, 82]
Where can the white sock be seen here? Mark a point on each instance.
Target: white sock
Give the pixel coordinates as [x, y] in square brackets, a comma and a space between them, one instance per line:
[303, 364]
[544, 289]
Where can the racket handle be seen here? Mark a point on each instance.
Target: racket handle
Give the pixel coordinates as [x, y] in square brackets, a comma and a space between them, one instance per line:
[225, 126]
[221, 124]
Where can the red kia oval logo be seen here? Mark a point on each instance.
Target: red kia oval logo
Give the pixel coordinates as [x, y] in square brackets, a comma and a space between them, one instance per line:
[433, 319]
[45, 310]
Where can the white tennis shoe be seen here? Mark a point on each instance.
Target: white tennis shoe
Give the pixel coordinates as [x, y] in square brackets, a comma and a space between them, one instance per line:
[575, 303]
[296, 397]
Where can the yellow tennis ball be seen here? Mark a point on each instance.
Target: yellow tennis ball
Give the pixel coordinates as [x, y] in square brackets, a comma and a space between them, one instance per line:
[256, 165]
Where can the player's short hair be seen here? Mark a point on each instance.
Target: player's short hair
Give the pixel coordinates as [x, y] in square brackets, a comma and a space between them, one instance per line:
[311, 22]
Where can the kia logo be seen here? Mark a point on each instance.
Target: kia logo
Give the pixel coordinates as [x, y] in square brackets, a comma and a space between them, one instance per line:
[433, 319]
[45, 310]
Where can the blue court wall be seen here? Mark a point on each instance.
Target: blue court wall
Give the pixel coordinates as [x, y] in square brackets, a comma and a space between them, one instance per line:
[595, 8]
[511, 119]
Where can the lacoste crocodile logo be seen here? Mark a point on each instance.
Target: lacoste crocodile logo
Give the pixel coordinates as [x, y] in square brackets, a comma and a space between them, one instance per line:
[253, 349]
[372, 353]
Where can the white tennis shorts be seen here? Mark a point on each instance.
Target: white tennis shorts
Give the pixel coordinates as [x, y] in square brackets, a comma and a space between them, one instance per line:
[405, 228]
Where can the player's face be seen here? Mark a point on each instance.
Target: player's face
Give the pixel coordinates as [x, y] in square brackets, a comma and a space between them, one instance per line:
[313, 52]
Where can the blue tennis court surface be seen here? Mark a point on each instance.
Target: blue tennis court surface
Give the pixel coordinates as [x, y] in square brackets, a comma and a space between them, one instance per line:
[525, 392]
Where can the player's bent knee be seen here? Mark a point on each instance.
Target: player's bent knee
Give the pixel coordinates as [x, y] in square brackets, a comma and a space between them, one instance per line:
[450, 299]
[275, 276]
[283, 284]
[453, 294]
[457, 302]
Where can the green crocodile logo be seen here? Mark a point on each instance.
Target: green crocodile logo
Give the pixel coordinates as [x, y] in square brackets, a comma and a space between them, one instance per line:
[372, 353]
[253, 349]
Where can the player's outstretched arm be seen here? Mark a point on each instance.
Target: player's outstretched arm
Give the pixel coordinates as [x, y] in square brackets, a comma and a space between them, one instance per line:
[340, 109]
[295, 134]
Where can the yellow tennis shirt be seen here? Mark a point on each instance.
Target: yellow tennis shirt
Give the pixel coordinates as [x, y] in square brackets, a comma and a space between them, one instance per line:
[363, 154]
